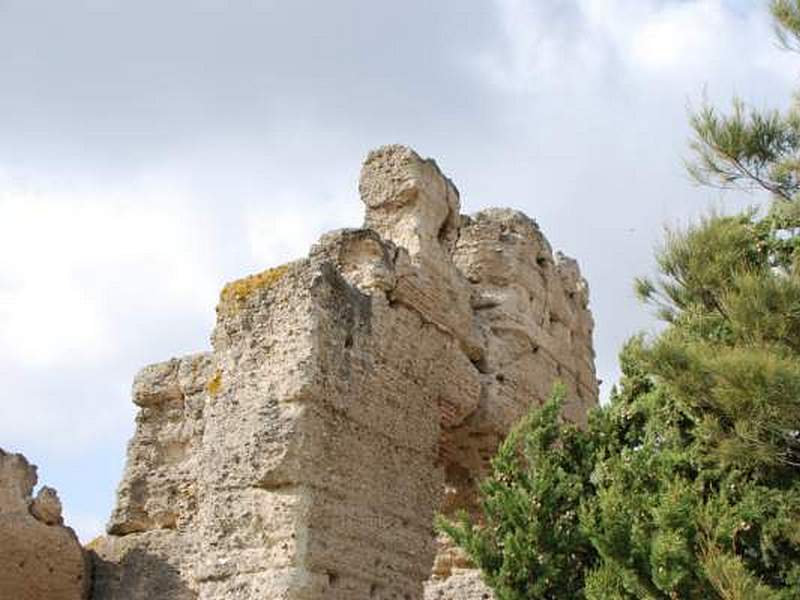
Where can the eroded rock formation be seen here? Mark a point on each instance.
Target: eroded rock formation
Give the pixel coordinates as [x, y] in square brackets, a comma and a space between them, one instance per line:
[349, 396]
[39, 557]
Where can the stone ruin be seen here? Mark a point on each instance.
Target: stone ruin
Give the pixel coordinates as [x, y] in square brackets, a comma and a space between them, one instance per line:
[349, 397]
[40, 559]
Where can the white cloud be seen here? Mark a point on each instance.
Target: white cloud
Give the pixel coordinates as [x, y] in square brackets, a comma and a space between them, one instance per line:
[675, 36]
[75, 259]
[97, 278]
[539, 39]
[44, 322]
[86, 525]
[285, 228]
[576, 45]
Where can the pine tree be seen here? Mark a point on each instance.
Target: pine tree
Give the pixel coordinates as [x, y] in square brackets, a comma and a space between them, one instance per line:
[687, 485]
[531, 544]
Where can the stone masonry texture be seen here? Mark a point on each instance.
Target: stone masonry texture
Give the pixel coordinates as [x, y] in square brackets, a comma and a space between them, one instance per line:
[40, 558]
[348, 398]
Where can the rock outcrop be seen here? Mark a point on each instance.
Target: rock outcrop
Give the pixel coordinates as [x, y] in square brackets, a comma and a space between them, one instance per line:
[39, 557]
[349, 397]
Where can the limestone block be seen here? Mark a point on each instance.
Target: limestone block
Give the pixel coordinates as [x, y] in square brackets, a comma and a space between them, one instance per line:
[46, 507]
[17, 480]
[362, 257]
[159, 487]
[463, 584]
[149, 564]
[409, 202]
[39, 557]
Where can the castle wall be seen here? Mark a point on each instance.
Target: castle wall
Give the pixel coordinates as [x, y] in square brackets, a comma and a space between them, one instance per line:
[39, 556]
[348, 398]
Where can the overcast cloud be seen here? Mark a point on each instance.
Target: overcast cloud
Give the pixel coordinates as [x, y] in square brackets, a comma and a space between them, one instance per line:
[150, 153]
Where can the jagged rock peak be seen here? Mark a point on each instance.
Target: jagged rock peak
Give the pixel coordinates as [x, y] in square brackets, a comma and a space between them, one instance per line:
[39, 557]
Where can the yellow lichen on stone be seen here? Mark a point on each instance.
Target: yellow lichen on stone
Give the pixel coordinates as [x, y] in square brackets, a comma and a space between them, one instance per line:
[237, 291]
[94, 544]
[215, 384]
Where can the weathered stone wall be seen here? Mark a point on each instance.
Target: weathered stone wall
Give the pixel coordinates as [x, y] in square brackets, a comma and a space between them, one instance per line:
[349, 396]
[39, 557]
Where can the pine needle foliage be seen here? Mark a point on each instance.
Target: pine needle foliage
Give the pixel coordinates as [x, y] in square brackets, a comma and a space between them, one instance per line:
[531, 545]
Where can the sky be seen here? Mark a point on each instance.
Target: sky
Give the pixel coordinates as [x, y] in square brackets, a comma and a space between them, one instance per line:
[151, 151]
